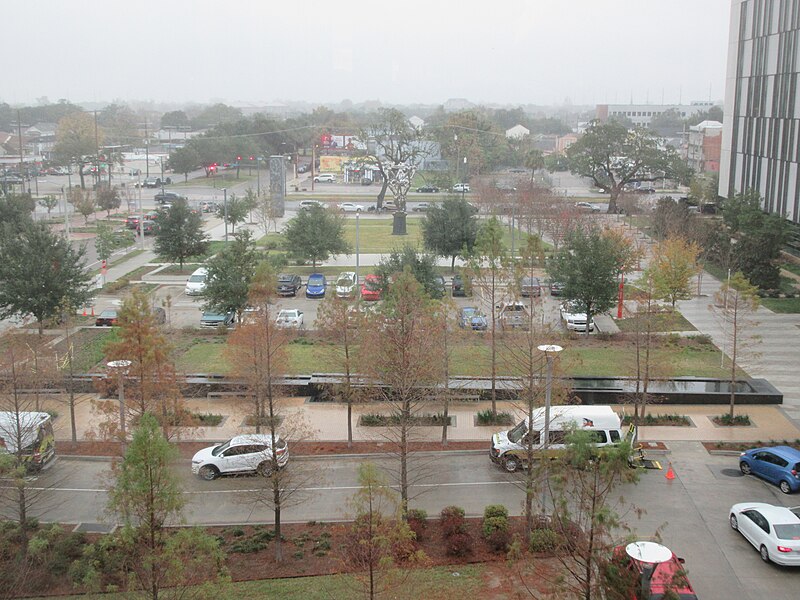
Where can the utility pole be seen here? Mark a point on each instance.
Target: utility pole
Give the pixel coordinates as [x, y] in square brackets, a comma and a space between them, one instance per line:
[96, 151]
[21, 149]
[146, 149]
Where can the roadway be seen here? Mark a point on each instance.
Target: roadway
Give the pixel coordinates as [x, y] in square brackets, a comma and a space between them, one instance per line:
[690, 513]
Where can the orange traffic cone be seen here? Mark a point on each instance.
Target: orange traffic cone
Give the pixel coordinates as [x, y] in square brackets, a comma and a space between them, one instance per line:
[92, 309]
[84, 311]
[670, 473]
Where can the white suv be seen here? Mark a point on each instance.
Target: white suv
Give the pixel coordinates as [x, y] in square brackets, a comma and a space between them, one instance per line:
[250, 453]
[197, 282]
[324, 178]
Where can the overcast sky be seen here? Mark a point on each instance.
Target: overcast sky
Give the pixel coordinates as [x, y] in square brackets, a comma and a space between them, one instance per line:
[407, 51]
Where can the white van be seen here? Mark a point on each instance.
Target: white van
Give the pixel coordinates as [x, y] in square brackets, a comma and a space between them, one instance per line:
[197, 282]
[29, 434]
[509, 447]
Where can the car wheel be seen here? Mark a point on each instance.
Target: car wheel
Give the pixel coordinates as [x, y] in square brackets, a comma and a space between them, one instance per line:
[764, 553]
[510, 464]
[745, 468]
[208, 472]
[734, 523]
[785, 487]
[265, 468]
[358, 210]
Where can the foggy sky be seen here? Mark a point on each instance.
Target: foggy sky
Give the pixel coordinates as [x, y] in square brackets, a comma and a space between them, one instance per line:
[409, 51]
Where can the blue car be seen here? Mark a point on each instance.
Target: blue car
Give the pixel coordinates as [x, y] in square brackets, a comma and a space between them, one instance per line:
[315, 286]
[777, 464]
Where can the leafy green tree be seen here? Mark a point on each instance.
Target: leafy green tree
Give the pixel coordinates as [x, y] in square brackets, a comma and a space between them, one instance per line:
[236, 211]
[108, 199]
[674, 264]
[421, 266]
[613, 156]
[15, 211]
[119, 124]
[184, 160]
[229, 275]
[108, 240]
[450, 228]
[83, 202]
[315, 234]
[180, 233]
[588, 265]
[147, 496]
[49, 202]
[534, 160]
[175, 118]
[40, 273]
[216, 114]
[76, 142]
[759, 239]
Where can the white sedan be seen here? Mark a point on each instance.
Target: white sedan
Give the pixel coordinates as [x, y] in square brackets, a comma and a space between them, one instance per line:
[773, 530]
[290, 318]
[350, 207]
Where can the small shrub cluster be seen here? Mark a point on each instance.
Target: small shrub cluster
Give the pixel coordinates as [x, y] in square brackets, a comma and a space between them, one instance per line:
[650, 419]
[458, 541]
[487, 417]
[734, 421]
[496, 527]
[208, 419]
[379, 420]
[544, 540]
[254, 543]
[418, 522]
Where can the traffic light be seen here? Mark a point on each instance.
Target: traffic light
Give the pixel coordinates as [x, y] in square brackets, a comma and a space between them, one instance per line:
[238, 158]
[103, 264]
[252, 158]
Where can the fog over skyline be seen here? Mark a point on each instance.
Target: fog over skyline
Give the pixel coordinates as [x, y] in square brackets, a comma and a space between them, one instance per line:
[412, 52]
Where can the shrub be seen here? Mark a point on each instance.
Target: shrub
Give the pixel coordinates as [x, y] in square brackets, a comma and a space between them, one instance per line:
[452, 521]
[418, 522]
[486, 417]
[495, 510]
[458, 544]
[736, 420]
[544, 540]
[498, 540]
[493, 524]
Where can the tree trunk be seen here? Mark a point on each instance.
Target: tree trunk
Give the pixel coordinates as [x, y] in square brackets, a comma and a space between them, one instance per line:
[612, 201]
[405, 418]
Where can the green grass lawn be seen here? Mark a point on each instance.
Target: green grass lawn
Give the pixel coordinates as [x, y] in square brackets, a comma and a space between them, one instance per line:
[473, 357]
[791, 267]
[782, 305]
[673, 321]
[224, 179]
[433, 582]
[88, 345]
[375, 235]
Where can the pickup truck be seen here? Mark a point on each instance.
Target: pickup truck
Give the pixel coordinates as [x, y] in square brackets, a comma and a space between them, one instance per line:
[513, 315]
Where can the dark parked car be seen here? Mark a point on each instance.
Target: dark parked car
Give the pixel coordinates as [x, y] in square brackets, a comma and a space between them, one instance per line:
[421, 207]
[289, 284]
[556, 288]
[530, 286]
[132, 222]
[215, 319]
[151, 182]
[428, 189]
[162, 197]
[107, 318]
[777, 464]
[147, 227]
[459, 286]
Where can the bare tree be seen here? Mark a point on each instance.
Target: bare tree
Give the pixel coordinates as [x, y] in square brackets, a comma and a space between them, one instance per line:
[404, 361]
[735, 305]
[258, 350]
[341, 323]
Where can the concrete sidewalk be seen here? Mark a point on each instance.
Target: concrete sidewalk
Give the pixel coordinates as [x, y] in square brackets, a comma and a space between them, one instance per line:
[327, 421]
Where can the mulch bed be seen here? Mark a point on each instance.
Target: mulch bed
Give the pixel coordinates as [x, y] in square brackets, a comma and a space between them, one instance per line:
[742, 446]
[188, 449]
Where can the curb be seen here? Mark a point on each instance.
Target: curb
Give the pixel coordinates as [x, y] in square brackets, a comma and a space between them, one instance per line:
[89, 458]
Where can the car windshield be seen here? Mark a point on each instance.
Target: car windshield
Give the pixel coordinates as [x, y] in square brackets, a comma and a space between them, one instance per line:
[108, 313]
[285, 278]
[515, 435]
[790, 531]
[221, 448]
[316, 280]
[344, 282]
[371, 284]
[197, 278]
[290, 314]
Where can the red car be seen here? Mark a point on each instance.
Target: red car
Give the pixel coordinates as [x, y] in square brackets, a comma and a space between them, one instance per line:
[371, 288]
[107, 318]
[650, 570]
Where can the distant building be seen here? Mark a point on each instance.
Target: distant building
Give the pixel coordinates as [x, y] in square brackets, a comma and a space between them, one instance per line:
[703, 146]
[416, 122]
[565, 141]
[517, 132]
[642, 115]
[457, 104]
[40, 138]
[761, 131]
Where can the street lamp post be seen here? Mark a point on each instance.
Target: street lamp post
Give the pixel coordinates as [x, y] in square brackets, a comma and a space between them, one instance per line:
[121, 367]
[225, 196]
[550, 351]
[357, 252]
[258, 176]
